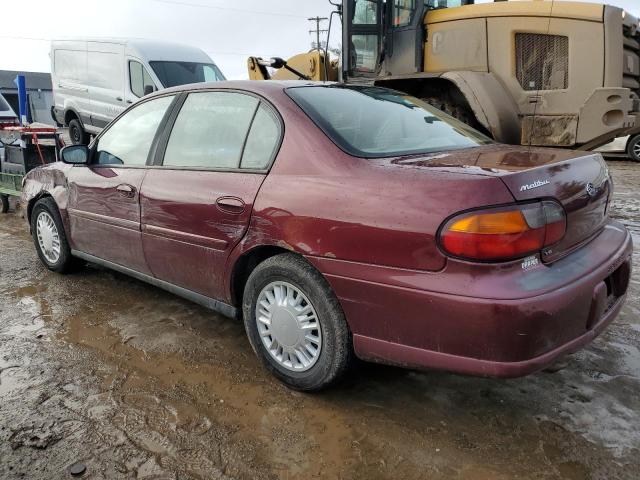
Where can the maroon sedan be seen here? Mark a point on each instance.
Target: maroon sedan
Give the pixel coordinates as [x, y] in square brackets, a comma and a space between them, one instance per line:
[340, 221]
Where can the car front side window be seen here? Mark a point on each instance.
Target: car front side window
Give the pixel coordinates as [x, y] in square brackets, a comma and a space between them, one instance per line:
[128, 140]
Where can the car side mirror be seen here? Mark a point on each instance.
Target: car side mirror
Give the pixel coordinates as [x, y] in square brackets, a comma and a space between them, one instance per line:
[75, 154]
[149, 89]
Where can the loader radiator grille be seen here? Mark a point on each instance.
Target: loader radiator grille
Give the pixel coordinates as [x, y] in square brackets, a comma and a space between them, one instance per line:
[542, 61]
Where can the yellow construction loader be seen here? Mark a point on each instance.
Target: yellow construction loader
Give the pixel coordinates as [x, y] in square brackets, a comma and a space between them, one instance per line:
[306, 66]
[549, 73]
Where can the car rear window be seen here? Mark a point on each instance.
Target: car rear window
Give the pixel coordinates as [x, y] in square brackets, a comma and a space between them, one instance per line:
[378, 122]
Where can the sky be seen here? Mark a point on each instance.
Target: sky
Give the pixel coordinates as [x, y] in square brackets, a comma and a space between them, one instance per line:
[229, 31]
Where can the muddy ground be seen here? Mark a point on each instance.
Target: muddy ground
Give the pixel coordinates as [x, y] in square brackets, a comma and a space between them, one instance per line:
[136, 383]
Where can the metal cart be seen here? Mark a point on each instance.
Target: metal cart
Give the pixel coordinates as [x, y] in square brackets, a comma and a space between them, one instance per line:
[25, 148]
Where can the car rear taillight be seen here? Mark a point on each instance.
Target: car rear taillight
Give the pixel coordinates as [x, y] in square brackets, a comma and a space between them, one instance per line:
[504, 233]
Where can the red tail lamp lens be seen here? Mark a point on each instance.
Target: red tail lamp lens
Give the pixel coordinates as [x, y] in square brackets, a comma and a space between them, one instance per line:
[504, 233]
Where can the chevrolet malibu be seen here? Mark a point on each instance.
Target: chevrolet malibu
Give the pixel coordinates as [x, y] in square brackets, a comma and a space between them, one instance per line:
[340, 222]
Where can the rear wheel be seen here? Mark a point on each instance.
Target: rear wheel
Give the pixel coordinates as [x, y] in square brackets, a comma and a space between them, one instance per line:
[49, 237]
[77, 134]
[633, 148]
[295, 323]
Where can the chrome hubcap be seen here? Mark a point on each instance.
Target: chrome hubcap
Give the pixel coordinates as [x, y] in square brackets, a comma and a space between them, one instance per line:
[636, 150]
[48, 237]
[288, 326]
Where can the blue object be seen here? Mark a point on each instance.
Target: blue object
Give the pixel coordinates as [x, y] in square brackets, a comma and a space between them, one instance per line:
[22, 99]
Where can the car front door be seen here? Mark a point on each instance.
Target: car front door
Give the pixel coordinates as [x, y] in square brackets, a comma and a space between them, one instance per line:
[103, 206]
[196, 204]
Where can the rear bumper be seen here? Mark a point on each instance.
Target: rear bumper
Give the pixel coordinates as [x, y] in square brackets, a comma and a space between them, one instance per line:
[523, 322]
[376, 350]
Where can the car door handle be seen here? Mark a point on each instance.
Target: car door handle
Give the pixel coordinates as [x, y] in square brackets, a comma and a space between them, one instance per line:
[126, 190]
[119, 99]
[230, 205]
[129, 101]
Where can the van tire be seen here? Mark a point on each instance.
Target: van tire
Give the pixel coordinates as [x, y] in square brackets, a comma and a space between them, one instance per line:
[77, 134]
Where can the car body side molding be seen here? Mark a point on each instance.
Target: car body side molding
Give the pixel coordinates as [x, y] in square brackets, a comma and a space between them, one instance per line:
[207, 302]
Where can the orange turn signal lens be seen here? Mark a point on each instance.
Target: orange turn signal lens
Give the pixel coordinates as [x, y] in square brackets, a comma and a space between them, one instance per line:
[491, 223]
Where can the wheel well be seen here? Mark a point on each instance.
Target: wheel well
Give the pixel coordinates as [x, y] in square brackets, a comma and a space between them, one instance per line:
[70, 115]
[32, 202]
[436, 88]
[245, 265]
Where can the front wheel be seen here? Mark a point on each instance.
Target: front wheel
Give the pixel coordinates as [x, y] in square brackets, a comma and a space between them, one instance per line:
[49, 236]
[633, 148]
[295, 323]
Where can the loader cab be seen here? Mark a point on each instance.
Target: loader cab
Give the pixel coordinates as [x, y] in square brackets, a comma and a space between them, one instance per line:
[386, 37]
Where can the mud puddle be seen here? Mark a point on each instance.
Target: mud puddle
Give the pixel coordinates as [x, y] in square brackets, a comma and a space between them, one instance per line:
[135, 383]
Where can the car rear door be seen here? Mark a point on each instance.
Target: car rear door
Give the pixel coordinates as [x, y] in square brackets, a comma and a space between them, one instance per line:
[196, 204]
[103, 205]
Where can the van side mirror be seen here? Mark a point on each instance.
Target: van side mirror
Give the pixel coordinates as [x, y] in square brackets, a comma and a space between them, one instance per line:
[75, 154]
[149, 89]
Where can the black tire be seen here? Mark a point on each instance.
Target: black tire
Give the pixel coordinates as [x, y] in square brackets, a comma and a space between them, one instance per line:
[336, 352]
[77, 134]
[457, 111]
[65, 262]
[4, 204]
[633, 148]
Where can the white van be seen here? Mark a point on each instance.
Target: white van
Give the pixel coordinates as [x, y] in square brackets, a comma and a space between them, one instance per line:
[96, 79]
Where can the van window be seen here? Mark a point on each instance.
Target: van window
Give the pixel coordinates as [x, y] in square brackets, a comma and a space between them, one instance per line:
[139, 78]
[210, 130]
[172, 74]
[70, 65]
[128, 140]
[105, 70]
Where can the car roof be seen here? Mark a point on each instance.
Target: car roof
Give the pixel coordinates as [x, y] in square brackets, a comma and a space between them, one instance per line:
[265, 87]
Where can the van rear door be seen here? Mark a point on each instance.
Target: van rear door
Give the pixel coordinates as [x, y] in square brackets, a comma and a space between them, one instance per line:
[106, 72]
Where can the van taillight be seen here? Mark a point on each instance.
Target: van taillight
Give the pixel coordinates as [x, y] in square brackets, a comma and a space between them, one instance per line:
[504, 233]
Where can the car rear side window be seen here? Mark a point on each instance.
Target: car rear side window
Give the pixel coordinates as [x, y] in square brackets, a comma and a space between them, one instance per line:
[262, 141]
[212, 131]
[128, 140]
[378, 122]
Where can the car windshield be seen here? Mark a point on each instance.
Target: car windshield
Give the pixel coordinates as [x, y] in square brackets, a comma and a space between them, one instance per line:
[172, 74]
[378, 122]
